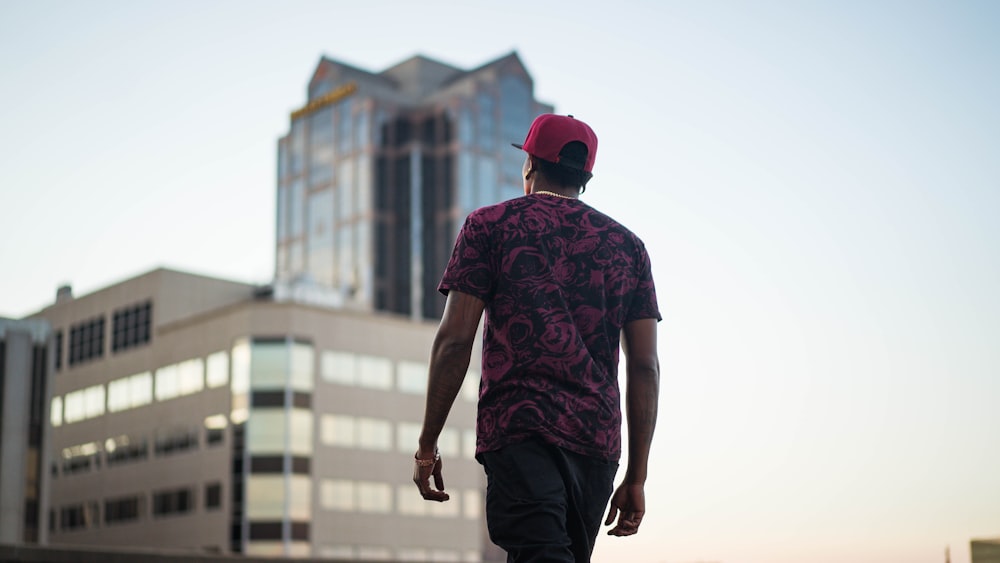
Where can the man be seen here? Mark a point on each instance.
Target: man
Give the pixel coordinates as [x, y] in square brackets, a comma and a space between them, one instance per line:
[562, 285]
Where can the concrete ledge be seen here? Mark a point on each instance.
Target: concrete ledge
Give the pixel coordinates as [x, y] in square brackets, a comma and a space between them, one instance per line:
[86, 554]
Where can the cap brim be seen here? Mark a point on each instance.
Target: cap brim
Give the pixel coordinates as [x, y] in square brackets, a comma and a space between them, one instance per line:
[517, 146]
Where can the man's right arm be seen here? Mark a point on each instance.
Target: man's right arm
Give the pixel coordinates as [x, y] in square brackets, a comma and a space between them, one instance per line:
[641, 403]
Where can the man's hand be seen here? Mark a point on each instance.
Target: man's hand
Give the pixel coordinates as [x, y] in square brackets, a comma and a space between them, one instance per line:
[422, 473]
[631, 501]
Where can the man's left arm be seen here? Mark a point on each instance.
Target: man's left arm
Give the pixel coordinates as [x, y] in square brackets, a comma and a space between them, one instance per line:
[449, 363]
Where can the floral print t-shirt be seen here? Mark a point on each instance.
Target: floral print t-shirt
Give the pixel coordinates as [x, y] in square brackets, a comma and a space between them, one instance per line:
[560, 280]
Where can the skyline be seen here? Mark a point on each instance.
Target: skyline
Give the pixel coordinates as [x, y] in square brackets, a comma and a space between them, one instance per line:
[814, 183]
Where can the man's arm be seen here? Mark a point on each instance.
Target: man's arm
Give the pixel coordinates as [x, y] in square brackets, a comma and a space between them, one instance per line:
[641, 399]
[450, 355]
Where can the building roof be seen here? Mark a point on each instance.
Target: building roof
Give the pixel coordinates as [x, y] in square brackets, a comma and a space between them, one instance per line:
[415, 78]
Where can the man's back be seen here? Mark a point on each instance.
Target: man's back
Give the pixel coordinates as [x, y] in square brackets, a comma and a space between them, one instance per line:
[559, 279]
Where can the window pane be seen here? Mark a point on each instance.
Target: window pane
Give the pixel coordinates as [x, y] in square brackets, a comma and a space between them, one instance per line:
[268, 365]
[302, 367]
[190, 376]
[56, 412]
[448, 442]
[472, 503]
[374, 434]
[241, 367]
[407, 434]
[374, 553]
[339, 367]
[374, 497]
[301, 435]
[412, 377]
[265, 548]
[300, 497]
[375, 372]
[337, 494]
[470, 386]
[413, 554]
[75, 407]
[167, 385]
[265, 497]
[337, 430]
[94, 398]
[118, 395]
[266, 431]
[469, 443]
[217, 369]
[140, 389]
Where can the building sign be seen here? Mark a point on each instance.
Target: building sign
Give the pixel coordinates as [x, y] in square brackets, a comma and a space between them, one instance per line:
[330, 97]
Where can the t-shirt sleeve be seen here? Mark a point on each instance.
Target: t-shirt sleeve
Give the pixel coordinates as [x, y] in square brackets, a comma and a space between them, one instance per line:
[644, 305]
[471, 269]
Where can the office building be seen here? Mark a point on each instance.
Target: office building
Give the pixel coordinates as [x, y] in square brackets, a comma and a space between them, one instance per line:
[985, 550]
[195, 413]
[379, 169]
[26, 349]
[204, 414]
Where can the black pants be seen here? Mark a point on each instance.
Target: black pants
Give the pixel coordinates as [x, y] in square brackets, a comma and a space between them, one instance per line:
[544, 503]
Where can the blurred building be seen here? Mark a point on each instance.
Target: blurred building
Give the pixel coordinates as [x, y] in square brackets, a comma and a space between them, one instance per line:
[379, 169]
[198, 413]
[204, 414]
[985, 550]
[26, 350]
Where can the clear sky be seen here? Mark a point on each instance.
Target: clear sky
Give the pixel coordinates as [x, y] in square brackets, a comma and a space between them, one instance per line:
[817, 183]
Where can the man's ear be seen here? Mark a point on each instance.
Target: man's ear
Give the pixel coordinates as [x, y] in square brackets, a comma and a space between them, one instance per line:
[532, 167]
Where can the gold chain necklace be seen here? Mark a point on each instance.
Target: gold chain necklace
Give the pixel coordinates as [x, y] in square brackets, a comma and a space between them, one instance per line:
[546, 192]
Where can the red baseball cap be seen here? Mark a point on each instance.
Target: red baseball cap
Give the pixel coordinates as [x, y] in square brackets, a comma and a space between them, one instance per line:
[550, 133]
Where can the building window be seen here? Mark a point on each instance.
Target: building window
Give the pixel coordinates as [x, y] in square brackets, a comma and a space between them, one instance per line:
[269, 496]
[412, 377]
[470, 387]
[374, 497]
[374, 434]
[77, 516]
[338, 367]
[472, 503]
[213, 495]
[215, 429]
[56, 412]
[59, 347]
[80, 458]
[374, 372]
[124, 449]
[337, 430]
[182, 378]
[84, 404]
[176, 501]
[175, 441]
[131, 326]
[124, 509]
[130, 392]
[337, 494]
[217, 369]
[86, 341]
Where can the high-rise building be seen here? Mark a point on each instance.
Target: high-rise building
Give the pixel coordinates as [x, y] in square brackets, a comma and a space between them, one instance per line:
[195, 413]
[379, 169]
[26, 359]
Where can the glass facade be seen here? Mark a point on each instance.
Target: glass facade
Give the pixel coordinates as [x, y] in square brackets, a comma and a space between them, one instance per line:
[274, 379]
[387, 183]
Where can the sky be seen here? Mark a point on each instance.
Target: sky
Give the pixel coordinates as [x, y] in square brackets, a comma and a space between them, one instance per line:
[816, 182]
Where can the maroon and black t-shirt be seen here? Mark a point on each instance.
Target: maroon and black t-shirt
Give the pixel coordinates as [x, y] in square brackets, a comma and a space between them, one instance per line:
[559, 280]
